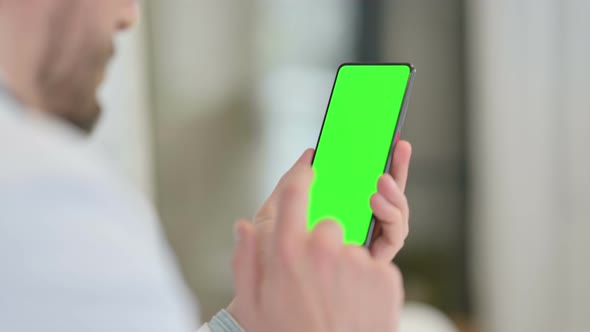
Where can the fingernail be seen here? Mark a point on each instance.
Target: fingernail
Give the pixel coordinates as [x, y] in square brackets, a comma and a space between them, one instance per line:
[303, 155]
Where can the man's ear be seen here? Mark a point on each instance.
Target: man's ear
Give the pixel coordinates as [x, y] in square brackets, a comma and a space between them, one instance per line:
[129, 14]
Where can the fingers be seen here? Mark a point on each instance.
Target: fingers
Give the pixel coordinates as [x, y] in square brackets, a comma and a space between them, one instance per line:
[393, 226]
[303, 161]
[325, 242]
[245, 263]
[391, 210]
[306, 158]
[292, 205]
[390, 190]
[390, 206]
[401, 163]
[395, 209]
[328, 231]
[268, 209]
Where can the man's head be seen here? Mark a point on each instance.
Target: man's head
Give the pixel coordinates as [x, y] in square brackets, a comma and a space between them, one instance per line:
[53, 53]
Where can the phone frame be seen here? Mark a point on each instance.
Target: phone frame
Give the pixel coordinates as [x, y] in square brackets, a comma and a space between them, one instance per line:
[396, 132]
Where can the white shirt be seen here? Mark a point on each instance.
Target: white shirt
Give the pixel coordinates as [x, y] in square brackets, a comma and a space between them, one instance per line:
[79, 249]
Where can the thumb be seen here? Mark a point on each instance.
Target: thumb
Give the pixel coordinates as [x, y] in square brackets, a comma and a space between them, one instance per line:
[304, 161]
[269, 208]
[292, 206]
[245, 263]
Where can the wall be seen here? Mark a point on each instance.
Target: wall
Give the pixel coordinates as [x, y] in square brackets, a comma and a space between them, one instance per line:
[124, 134]
[529, 76]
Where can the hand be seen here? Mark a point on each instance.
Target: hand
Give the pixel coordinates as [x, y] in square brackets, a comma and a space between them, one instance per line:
[389, 205]
[310, 281]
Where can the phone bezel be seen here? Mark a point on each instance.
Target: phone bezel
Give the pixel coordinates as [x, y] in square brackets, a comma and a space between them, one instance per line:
[396, 132]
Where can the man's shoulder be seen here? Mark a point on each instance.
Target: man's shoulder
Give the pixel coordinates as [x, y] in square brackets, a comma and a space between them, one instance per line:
[77, 241]
[32, 145]
[44, 159]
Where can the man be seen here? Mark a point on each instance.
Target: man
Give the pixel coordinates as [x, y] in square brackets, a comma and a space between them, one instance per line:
[81, 251]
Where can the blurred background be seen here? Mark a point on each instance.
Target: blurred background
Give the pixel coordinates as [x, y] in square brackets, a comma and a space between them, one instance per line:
[209, 102]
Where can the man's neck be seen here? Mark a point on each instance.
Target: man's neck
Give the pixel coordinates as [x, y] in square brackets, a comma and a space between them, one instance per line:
[17, 88]
[6, 94]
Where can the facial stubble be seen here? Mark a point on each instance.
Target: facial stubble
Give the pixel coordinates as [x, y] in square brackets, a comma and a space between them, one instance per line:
[72, 65]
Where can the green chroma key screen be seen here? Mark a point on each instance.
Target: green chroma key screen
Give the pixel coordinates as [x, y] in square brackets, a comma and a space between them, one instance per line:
[354, 145]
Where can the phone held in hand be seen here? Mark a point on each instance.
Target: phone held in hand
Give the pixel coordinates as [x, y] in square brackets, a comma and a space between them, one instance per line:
[362, 124]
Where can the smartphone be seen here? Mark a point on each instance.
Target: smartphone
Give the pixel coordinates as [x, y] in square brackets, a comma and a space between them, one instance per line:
[363, 120]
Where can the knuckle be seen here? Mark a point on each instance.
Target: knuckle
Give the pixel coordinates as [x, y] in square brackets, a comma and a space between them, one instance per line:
[291, 190]
[283, 180]
[400, 245]
[394, 216]
[263, 213]
[405, 202]
[374, 200]
[294, 177]
[398, 215]
[405, 206]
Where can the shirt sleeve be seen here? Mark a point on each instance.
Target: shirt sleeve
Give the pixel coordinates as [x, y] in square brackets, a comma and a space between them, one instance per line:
[222, 322]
